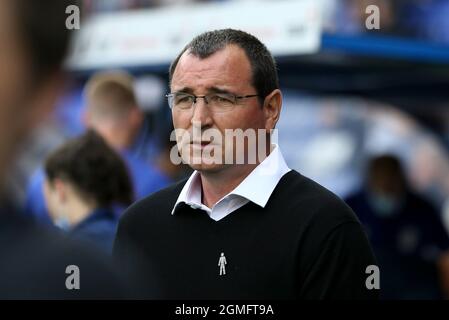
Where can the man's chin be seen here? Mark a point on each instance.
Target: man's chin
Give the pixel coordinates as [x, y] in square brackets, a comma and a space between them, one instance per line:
[205, 166]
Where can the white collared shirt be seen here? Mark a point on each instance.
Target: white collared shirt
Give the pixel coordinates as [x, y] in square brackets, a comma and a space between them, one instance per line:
[257, 187]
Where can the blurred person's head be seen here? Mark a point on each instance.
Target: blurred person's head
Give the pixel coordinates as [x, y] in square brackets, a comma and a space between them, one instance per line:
[83, 174]
[232, 68]
[386, 183]
[33, 44]
[112, 108]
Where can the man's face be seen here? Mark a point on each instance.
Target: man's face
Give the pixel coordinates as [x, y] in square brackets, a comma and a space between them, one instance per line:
[227, 70]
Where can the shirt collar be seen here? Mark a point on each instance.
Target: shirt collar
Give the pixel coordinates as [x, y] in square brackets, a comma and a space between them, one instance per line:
[257, 187]
[98, 214]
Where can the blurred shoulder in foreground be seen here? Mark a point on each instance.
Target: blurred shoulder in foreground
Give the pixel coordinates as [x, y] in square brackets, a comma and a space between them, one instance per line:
[35, 264]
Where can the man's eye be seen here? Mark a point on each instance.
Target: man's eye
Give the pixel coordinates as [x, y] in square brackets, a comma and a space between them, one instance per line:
[183, 99]
[222, 99]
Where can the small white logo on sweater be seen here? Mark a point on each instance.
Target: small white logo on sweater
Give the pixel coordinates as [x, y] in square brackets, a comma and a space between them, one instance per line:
[222, 264]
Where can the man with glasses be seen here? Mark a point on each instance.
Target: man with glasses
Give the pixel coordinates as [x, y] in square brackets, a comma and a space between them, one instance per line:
[283, 236]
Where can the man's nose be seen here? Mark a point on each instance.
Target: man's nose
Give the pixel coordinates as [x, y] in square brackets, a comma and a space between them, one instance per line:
[201, 113]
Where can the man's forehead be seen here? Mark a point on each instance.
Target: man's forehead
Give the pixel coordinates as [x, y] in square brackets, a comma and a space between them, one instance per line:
[227, 64]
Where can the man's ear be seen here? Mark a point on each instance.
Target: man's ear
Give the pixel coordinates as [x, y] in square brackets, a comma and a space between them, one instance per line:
[60, 188]
[272, 109]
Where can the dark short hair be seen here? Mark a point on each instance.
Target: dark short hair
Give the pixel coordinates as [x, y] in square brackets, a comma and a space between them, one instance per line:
[93, 168]
[264, 72]
[41, 26]
[385, 163]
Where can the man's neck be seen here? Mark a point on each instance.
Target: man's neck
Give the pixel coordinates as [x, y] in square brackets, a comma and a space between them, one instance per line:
[79, 210]
[216, 185]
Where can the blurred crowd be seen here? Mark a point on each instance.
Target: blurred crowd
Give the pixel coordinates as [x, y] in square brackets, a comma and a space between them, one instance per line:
[418, 19]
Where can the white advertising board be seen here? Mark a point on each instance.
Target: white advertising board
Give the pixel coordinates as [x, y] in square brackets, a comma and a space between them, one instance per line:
[155, 36]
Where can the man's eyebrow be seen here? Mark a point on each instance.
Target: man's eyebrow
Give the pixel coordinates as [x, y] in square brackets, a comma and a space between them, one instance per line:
[210, 90]
[218, 90]
[185, 90]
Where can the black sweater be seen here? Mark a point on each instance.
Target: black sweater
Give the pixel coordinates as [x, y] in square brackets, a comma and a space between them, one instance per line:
[306, 243]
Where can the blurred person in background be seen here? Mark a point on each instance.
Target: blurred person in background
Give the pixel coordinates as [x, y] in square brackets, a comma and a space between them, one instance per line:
[85, 178]
[34, 261]
[113, 112]
[406, 233]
